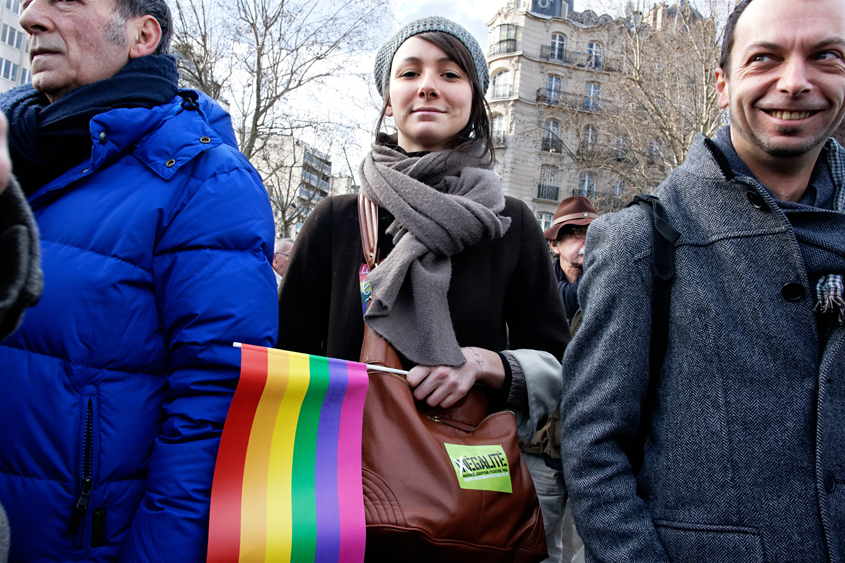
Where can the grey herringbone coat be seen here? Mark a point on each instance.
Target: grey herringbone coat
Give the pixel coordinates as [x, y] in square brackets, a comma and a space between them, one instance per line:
[744, 459]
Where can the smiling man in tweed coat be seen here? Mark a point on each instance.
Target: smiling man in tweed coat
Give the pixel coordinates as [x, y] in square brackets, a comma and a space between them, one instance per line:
[741, 456]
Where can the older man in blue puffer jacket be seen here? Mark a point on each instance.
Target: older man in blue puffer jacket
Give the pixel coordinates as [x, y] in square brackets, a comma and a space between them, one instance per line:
[157, 238]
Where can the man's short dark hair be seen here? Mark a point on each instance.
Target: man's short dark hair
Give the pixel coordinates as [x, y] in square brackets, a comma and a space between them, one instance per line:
[728, 40]
[156, 8]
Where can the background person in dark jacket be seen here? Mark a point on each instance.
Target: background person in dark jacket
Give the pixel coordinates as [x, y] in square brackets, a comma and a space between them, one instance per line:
[156, 242]
[566, 237]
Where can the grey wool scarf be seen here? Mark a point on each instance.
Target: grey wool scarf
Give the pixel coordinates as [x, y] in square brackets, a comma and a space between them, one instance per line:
[442, 202]
[21, 280]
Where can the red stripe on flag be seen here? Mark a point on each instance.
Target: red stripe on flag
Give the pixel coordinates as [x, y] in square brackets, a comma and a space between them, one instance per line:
[224, 527]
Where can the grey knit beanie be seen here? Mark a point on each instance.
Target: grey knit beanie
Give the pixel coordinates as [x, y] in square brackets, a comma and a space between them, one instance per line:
[384, 59]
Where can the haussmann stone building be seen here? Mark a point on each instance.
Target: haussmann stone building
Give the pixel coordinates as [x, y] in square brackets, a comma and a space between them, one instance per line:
[548, 65]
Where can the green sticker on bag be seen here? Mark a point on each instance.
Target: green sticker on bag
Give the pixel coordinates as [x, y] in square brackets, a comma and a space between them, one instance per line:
[481, 468]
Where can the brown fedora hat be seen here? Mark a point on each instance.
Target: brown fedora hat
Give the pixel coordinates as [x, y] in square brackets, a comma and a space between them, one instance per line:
[574, 210]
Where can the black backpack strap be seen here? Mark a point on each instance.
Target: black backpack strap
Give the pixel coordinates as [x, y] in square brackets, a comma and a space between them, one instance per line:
[663, 239]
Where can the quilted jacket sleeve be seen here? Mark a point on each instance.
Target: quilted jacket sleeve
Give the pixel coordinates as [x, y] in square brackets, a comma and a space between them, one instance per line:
[605, 379]
[214, 286]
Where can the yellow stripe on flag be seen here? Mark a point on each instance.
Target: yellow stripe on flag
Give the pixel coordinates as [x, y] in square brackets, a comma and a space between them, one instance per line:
[254, 496]
[279, 478]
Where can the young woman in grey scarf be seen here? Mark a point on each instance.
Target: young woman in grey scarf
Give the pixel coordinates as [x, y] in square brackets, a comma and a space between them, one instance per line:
[464, 290]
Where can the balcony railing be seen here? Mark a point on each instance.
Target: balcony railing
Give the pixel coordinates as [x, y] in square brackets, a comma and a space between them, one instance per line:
[578, 58]
[593, 192]
[547, 192]
[569, 100]
[603, 200]
[506, 46]
[500, 91]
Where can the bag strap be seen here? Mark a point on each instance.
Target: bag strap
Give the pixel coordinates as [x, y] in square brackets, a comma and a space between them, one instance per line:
[374, 348]
[663, 239]
[368, 221]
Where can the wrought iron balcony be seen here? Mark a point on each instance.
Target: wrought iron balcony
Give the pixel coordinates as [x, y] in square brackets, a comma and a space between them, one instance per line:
[569, 100]
[592, 192]
[579, 59]
[500, 91]
[506, 46]
[547, 192]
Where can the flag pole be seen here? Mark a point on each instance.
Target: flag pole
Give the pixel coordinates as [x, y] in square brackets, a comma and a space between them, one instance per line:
[369, 366]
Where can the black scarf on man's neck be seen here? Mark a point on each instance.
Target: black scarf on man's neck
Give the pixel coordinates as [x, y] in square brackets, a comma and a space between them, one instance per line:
[46, 140]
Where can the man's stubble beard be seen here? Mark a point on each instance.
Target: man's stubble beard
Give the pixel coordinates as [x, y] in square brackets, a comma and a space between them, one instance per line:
[116, 29]
[781, 152]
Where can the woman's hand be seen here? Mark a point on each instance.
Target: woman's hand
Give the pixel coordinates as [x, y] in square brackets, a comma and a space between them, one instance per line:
[444, 386]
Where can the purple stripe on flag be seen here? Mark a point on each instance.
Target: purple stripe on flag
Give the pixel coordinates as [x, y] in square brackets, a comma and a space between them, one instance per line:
[326, 493]
[353, 522]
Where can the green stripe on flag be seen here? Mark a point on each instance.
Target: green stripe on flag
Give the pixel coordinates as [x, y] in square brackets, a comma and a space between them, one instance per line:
[304, 530]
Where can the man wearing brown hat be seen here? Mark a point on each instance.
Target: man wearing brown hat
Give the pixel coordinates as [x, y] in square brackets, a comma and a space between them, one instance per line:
[566, 237]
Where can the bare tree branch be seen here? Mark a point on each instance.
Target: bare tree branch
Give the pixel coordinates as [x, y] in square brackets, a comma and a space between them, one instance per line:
[661, 95]
[266, 56]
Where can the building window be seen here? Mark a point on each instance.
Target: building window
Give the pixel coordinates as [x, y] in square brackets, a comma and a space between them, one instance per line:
[594, 55]
[653, 152]
[587, 185]
[505, 32]
[545, 220]
[551, 136]
[591, 96]
[10, 70]
[24, 76]
[499, 169]
[503, 39]
[557, 48]
[499, 130]
[502, 85]
[11, 36]
[14, 6]
[553, 87]
[548, 188]
[590, 139]
[621, 151]
[618, 186]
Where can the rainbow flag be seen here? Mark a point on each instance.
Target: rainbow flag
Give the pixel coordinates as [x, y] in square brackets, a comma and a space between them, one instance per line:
[287, 484]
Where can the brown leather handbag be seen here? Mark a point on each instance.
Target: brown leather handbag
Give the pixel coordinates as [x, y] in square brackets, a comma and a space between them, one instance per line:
[416, 508]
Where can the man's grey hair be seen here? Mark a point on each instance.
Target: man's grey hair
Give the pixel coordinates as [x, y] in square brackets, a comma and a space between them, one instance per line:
[127, 9]
[280, 243]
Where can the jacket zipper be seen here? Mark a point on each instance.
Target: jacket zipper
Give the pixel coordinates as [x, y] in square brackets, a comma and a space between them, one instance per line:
[80, 509]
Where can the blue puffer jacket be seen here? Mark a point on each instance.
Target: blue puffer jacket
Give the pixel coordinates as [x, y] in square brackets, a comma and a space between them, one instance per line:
[156, 256]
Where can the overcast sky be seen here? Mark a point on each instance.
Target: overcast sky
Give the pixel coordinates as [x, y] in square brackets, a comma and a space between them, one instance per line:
[472, 14]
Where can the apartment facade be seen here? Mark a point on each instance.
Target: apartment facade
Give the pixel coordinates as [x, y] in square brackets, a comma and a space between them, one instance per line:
[548, 66]
[14, 46]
